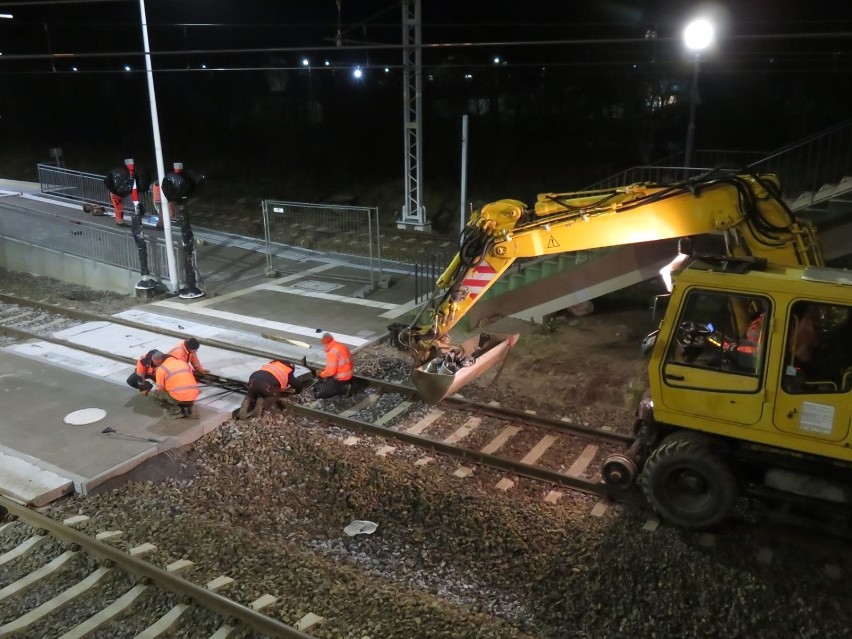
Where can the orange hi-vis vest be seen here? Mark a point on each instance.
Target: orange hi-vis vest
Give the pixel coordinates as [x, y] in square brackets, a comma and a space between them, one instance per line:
[142, 370]
[175, 377]
[338, 362]
[180, 352]
[280, 371]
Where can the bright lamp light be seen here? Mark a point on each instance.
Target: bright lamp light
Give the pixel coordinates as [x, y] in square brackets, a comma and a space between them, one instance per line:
[698, 35]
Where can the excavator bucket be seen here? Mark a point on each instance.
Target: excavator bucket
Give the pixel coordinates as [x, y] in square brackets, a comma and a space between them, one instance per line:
[446, 374]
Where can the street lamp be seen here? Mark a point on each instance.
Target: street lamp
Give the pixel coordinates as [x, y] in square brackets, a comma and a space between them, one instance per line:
[697, 36]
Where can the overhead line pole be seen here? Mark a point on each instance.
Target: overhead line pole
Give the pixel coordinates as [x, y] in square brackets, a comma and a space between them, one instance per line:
[158, 152]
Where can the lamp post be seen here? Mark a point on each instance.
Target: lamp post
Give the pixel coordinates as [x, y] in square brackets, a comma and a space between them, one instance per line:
[697, 36]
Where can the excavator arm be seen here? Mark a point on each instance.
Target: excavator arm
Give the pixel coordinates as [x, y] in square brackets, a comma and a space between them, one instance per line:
[748, 209]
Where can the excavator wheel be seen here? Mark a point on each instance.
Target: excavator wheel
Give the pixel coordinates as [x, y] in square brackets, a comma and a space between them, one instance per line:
[687, 483]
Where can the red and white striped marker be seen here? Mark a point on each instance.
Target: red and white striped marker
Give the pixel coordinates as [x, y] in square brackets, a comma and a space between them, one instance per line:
[478, 278]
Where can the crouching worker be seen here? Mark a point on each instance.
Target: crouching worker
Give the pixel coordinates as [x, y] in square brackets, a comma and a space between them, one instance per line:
[336, 377]
[267, 385]
[146, 366]
[187, 351]
[176, 389]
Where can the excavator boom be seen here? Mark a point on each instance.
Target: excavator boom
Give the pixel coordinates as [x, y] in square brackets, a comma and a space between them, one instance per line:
[748, 209]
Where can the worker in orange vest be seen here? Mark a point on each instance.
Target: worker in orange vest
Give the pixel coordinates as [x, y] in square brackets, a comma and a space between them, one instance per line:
[118, 208]
[145, 373]
[267, 385]
[176, 388]
[336, 377]
[187, 352]
[157, 199]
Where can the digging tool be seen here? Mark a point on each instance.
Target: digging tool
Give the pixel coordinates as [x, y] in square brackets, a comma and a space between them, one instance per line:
[109, 429]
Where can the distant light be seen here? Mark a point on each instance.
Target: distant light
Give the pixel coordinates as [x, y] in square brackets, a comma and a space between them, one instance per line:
[387, 70]
[327, 63]
[203, 66]
[74, 69]
[634, 66]
[127, 67]
[497, 60]
[468, 76]
[8, 16]
[698, 35]
[305, 62]
[357, 73]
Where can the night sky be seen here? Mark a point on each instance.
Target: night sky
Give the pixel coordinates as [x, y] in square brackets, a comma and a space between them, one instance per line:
[581, 91]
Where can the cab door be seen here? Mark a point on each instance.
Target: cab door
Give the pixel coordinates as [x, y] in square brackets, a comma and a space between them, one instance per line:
[815, 395]
[710, 370]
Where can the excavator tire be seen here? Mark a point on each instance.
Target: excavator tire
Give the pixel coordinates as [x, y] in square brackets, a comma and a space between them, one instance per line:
[688, 483]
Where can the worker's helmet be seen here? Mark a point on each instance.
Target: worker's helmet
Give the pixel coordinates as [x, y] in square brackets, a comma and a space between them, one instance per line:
[191, 344]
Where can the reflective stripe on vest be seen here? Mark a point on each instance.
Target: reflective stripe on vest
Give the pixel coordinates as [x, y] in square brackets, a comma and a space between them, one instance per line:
[179, 381]
[279, 370]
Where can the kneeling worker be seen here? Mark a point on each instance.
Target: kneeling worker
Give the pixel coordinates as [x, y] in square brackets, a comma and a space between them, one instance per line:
[177, 389]
[268, 384]
[146, 367]
[187, 351]
[337, 374]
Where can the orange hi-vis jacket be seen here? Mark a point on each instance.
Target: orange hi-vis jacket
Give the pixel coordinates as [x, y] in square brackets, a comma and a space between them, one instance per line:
[175, 377]
[338, 362]
[180, 352]
[142, 370]
[280, 371]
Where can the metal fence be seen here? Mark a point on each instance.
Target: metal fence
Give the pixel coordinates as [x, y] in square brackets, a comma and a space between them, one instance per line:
[803, 167]
[83, 187]
[82, 238]
[348, 232]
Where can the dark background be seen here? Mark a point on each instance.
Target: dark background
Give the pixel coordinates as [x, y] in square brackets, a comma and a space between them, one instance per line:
[583, 90]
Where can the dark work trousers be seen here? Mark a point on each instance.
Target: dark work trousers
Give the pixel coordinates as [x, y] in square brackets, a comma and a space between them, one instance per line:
[136, 381]
[331, 387]
[261, 384]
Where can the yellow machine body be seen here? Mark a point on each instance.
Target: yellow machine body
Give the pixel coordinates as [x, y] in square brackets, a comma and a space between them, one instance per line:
[762, 396]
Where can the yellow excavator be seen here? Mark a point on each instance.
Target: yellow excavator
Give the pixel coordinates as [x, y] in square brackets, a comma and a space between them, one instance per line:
[750, 371]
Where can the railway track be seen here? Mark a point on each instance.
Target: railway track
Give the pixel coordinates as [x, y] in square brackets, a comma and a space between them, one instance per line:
[517, 443]
[57, 581]
[546, 449]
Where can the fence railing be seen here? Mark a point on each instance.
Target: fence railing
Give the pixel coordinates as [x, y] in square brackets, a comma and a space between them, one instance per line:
[80, 186]
[82, 238]
[803, 166]
[351, 232]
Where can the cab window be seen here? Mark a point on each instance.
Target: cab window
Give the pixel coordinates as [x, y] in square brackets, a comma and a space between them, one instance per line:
[818, 348]
[721, 332]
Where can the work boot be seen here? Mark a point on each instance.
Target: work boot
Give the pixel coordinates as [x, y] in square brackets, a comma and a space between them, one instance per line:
[244, 409]
[191, 412]
[257, 411]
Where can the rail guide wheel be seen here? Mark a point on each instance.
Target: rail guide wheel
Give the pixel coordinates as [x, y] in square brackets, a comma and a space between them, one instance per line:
[688, 483]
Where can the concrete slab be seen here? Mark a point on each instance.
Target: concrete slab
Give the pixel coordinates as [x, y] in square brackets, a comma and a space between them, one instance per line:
[41, 383]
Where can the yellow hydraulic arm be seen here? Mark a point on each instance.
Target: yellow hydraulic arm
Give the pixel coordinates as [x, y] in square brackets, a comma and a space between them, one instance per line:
[748, 209]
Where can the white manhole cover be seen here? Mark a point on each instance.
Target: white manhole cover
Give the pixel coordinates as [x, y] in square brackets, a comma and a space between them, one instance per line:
[85, 416]
[317, 286]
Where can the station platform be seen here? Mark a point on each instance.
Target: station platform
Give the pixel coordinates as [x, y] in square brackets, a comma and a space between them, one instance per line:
[42, 457]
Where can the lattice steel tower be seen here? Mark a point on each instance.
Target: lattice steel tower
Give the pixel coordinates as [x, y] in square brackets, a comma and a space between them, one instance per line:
[413, 214]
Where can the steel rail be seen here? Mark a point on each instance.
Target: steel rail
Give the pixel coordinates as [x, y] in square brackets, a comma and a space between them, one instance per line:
[173, 583]
[526, 470]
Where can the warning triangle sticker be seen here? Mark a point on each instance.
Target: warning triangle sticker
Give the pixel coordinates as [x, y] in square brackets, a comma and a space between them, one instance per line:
[552, 243]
